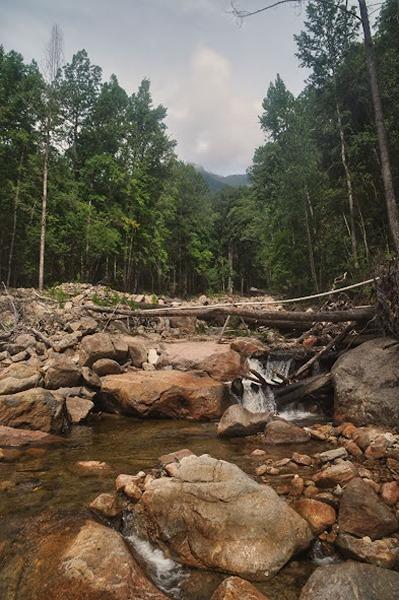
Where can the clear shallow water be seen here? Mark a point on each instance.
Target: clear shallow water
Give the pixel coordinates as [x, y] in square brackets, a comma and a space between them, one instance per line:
[35, 482]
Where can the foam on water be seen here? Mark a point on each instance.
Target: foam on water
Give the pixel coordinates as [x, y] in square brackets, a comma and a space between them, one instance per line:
[164, 572]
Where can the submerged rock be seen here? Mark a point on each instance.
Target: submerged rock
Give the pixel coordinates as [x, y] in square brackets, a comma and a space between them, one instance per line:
[235, 588]
[363, 513]
[211, 515]
[10, 436]
[237, 421]
[34, 409]
[173, 394]
[366, 382]
[351, 580]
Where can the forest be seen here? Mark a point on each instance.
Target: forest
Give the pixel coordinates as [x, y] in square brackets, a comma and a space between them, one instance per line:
[91, 187]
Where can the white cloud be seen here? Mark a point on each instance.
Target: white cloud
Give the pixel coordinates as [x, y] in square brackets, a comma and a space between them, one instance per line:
[213, 119]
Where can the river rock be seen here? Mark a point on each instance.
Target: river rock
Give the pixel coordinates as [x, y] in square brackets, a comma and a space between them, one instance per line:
[211, 515]
[172, 394]
[350, 580]
[62, 372]
[89, 467]
[235, 588]
[13, 385]
[249, 347]
[98, 565]
[106, 505]
[340, 473]
[34, 409]
[319, 515]
[10, 436]
[137, 352]
[78, 408]
[101, 345]
[278, 431]
[223, 367]
[237, 421]
[106, 366]
[382, 553]
[190, 355]
[91, 379]
[390, 492]
[363, 513]
[366, 381]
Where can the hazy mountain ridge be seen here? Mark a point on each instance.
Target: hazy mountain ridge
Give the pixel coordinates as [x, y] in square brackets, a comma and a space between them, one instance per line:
[217, 182]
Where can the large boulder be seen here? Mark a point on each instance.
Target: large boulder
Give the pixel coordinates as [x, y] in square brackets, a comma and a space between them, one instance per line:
[75, 561]
[366, 381]
[237, 421]
[172, 394]
[34, 409]
[62, 372]
[211, 515]
[363, 513]
[219, 361]
[235, 588]
[351, 580]
[99, 562]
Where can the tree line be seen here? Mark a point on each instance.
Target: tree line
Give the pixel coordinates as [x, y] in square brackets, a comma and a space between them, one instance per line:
[91, 188]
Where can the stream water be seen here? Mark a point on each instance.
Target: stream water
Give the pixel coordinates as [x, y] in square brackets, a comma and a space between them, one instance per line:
[39, 481]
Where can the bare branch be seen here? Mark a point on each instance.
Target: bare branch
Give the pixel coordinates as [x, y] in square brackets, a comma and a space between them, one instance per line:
[243, 14]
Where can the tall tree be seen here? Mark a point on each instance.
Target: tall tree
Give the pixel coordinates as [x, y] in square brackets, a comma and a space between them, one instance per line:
[322, 47]
[53, 61]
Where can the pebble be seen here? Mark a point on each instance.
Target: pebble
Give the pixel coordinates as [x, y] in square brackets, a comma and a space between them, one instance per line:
[302, 459]
[330, 455]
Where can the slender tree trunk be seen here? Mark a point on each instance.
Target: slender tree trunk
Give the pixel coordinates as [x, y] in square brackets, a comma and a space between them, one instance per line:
[230, 254]
[392, 209]
[43, 219]
[87, 249]
[14, 220]
[364, 234]
[310, 242]
[349, 186]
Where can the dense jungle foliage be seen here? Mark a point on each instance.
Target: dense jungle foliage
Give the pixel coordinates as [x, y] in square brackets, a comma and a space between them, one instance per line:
[123, 210]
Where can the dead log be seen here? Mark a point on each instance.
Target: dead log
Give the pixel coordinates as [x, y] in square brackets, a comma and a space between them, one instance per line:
[271, 318]
[321, 352]
[297, 391]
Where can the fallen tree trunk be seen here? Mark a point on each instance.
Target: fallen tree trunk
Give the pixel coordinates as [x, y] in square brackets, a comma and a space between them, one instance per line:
[298, 391]
[261, 316]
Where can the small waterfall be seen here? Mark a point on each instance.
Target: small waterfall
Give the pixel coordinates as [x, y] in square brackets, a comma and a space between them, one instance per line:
[256, 398]
[164, 572]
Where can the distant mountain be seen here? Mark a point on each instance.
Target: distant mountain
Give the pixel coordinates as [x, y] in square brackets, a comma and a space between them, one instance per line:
[217, 182]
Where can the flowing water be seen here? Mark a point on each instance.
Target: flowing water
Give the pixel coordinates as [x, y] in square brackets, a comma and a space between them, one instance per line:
[257, 398]
[37, 482]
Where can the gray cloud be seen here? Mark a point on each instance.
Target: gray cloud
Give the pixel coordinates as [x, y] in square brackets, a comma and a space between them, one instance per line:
[211, 73]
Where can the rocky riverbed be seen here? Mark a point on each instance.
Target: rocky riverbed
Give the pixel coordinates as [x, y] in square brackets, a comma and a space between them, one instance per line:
[133, 465]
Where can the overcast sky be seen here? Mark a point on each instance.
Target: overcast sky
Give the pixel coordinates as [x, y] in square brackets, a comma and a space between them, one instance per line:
[207, 70]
